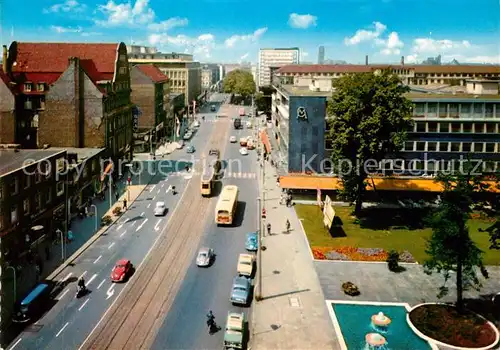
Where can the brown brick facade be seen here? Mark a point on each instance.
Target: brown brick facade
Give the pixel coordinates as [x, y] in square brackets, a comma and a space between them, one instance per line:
[143, 95]
[7, 115]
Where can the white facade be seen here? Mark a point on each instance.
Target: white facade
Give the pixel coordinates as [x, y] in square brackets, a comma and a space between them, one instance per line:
[273, 58]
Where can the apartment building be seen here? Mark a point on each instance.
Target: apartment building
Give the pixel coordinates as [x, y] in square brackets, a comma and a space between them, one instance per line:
[183, 73]
[452, 123]
[270, 60]
[206, 78]
[32, 207]
[71, 95]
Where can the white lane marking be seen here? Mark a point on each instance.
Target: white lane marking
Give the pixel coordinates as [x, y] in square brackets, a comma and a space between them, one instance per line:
[15, 344]
[110, 292]
[152, 188]
[135, 222]
[62, 329]
[149, 205]
[142, 214]
[162, 186]
[157, 226]
[142, 224]
[96, 260]
[111, 245]
[83, 305]
[126, 220]
[83, 274]
[119, 227]
[62, 295]
[92, 278]
[67, 276]
[159, 191]
[123, 233]
[154, 197]
[168, 189]
[100, 284]
[128, 284]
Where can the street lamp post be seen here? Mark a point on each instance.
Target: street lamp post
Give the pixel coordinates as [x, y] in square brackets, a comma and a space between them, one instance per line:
[61, 236]
[15, 280]
[95, 213]
[110, 191]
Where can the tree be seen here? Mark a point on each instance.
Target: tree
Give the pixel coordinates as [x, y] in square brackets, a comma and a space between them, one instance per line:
[262, 103]
[450, 247]
[369, 116]
[239, 82]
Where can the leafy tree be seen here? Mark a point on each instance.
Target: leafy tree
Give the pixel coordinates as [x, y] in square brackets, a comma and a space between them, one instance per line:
[262, 103]
[450, 247]
[239, 82]
[369, 116]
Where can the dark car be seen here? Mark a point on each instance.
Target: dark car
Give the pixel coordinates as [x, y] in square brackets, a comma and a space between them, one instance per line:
[238, 124]
[214, 152]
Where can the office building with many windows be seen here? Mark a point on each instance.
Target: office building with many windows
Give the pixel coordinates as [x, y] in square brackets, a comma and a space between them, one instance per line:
[270, 60]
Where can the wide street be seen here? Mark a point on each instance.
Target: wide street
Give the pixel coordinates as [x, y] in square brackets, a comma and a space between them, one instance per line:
[69, 321]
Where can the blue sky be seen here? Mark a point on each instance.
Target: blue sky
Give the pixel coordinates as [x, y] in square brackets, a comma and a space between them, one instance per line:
[234, 30]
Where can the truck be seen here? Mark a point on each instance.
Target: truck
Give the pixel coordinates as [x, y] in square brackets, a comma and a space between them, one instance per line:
[235, 331]
[238, 124]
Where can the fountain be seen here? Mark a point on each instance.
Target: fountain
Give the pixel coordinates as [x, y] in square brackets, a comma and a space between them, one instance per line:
[381, 321]
[375, 341]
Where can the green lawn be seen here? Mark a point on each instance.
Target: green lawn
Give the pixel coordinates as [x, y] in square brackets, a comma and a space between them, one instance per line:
[389, 229]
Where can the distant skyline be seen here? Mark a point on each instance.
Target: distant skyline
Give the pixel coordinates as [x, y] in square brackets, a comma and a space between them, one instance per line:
[230, 31]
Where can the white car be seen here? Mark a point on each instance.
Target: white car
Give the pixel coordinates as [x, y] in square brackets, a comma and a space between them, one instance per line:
[232, 139]
[245, 265]
[160, 209]
[243, 151]
[249, 125]
[196, 124]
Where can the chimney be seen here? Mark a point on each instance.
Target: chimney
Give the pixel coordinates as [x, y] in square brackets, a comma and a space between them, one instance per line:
[366, 60]
[402, 60]
[4, 59]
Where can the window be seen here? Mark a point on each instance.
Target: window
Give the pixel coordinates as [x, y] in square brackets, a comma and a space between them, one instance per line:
[488, 110]
[467, 127]
[490, 147]
[38, 202]
[60, 188]
[13, 186]
[419, 109]
[48, 196]
[420, 146]
[453, 110]
[478, 147]
[443, 146]
[432, 108]
[13, 214]
[26, 206]
[466, 147]
[40, 87]
[409, 146]
[489, 166]
[444, 165]
[491, 128]
[478, 109]
[444, 127]
[38, 177]
[432, 127]
[431, 146]
[418, 165]
[420, 127]
[27, 87]
[443, 109]
[27, 181]
[465, 108]
[479, 127]
[455, 147]
[456, 127]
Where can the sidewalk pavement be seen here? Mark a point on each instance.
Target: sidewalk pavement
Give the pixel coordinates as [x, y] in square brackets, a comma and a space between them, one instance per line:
[293, 313]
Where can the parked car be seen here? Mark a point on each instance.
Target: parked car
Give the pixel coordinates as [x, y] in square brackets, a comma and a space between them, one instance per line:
[243, 151]
[121, 270]
[196, 124]
[190, 149]
[251, 243]
[234, 333]
[204, 257]
[240, 291]
[245, 265]
[233, 139]
[160, 209]
[187, 135]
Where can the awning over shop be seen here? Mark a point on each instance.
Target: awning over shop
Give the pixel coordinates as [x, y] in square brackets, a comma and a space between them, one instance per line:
[265, 141]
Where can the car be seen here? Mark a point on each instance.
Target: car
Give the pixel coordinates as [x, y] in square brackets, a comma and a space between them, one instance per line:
[214, 152]
[160, 209]
[245, 265]
[251, 243]
[233, 139]
[249, 125]
[243, 151]
[240, 291]
[196, 124]
[190, 149]
[204, 257]
[187, 135]
[121, 270]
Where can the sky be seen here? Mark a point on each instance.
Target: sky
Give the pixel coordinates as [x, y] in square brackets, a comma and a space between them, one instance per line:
[231, 31]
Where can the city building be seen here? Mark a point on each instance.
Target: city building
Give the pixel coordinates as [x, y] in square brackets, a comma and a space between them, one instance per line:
[7, 109]
[321, 55]
[150, 95]
[255, 73]
[71, 95]
[183, 73]
[272, 59]
[450, 122]
[32, 207]
[206, 79]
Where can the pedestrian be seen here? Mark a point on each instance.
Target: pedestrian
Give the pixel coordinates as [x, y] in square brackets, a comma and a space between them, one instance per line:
[289, 200]
[70, 236]
[117, 196]
[124, 204]
[269, 228]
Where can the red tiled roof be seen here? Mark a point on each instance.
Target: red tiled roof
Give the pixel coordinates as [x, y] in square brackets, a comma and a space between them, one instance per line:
[357, 68]
[324, 68]
[5, 78]
[152, 72]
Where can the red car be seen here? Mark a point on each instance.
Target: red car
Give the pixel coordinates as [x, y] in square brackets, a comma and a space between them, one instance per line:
[121, 270]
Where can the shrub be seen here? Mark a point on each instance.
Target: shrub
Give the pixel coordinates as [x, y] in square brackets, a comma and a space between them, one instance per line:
[393, 260]
[106, 220]
[117, 210]
[350, 288]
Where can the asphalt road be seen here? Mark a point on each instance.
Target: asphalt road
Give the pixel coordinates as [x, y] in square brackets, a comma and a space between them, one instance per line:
[206, 289]
[70, 320]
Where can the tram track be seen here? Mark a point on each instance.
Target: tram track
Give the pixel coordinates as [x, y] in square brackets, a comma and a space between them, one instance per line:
[133, 321]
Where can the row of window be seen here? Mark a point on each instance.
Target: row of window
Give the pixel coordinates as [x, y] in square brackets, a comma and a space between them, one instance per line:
[28, 87]
[456, 109]
[435, 165]
[423, 146]
[478, 128]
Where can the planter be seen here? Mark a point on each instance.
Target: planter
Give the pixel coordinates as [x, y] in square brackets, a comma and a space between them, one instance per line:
[446, 308]
[351, 289]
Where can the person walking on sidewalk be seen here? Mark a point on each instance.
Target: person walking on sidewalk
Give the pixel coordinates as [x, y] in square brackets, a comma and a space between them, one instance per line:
[269, 228]
[287, 226]
[124, 204]
[117, 196]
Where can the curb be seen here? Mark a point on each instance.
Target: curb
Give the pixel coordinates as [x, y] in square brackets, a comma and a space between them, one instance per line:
[89, 242]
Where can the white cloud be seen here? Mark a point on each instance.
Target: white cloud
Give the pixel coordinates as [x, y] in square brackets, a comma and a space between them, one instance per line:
[59, 29]
[392, 45]
[431, 46]
[231, 41]
[126, 14]
[302, 21]
[168, 24]
[201, 45]
[67, 6]
[363, 35]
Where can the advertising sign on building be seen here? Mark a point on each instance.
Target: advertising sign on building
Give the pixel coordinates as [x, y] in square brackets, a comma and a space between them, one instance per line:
[302, 113]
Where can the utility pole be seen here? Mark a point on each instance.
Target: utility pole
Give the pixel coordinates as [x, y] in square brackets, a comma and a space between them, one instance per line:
[260, 164]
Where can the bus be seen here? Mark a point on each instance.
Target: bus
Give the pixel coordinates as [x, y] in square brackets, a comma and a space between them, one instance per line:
[226, 206]
[33, 305]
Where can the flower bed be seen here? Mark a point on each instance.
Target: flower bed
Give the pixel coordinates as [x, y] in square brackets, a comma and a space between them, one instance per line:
[445, 324]
[357, 254]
